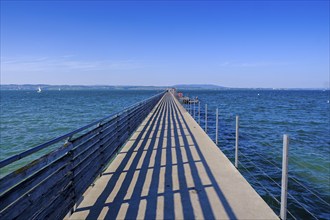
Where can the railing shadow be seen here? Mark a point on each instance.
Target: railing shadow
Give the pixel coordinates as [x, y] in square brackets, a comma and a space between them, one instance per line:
[169, 188]
[217, 189]
[96, 209]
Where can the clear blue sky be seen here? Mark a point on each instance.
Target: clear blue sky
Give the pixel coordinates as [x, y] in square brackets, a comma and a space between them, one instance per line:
[229, 43]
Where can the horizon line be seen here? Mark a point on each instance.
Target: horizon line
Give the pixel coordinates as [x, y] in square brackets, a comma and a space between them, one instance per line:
[161, 86]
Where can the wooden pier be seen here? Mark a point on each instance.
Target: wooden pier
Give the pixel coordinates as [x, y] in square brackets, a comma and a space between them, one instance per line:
[162, 166]
[171, 169]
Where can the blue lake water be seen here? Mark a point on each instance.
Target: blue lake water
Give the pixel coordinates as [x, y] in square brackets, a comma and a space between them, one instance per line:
[29, 118]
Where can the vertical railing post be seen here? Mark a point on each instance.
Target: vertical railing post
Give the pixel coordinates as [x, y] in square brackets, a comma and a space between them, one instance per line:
[284, 186]
[194, 110]
[101, 150]
[118, 134]
[199, 112]
[205, 118]
[129, 120]
[71, 176]
[236, 142]
[189, 107]
[216, 126]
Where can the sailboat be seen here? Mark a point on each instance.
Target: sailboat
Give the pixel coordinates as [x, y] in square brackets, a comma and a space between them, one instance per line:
[39, 90]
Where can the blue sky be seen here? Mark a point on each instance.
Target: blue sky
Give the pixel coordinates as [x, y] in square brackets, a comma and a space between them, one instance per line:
[280, 44]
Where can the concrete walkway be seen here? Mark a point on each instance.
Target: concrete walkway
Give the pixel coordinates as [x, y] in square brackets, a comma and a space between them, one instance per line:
[170, 169]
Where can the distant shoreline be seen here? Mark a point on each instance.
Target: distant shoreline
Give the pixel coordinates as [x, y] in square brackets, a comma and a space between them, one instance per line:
[120, 87]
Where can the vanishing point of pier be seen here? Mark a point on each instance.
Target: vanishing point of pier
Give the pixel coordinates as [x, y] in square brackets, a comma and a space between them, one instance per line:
[163, 168]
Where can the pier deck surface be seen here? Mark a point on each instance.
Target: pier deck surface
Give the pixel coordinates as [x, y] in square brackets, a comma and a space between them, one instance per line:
[170, 169]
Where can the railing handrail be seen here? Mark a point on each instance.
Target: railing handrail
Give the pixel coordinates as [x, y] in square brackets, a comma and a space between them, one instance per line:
[26, 153]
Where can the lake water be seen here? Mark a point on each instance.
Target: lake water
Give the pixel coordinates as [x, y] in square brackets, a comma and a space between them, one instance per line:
[29, 118]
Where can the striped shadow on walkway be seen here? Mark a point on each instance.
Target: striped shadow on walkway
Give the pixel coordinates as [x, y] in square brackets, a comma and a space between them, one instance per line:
[170, 169]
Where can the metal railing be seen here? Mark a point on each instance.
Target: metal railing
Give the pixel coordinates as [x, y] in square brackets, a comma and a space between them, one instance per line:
[49, 187]
[284, 188]
[212, 115]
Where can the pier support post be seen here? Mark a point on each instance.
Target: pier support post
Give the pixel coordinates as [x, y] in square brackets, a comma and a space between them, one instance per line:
[205, 118]
[236, 141]
[216, 126]
[284, 186]
[199, 113]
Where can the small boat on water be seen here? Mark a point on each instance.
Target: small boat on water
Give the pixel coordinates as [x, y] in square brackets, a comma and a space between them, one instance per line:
[194, 100]
[187, 100]
[39, 90]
